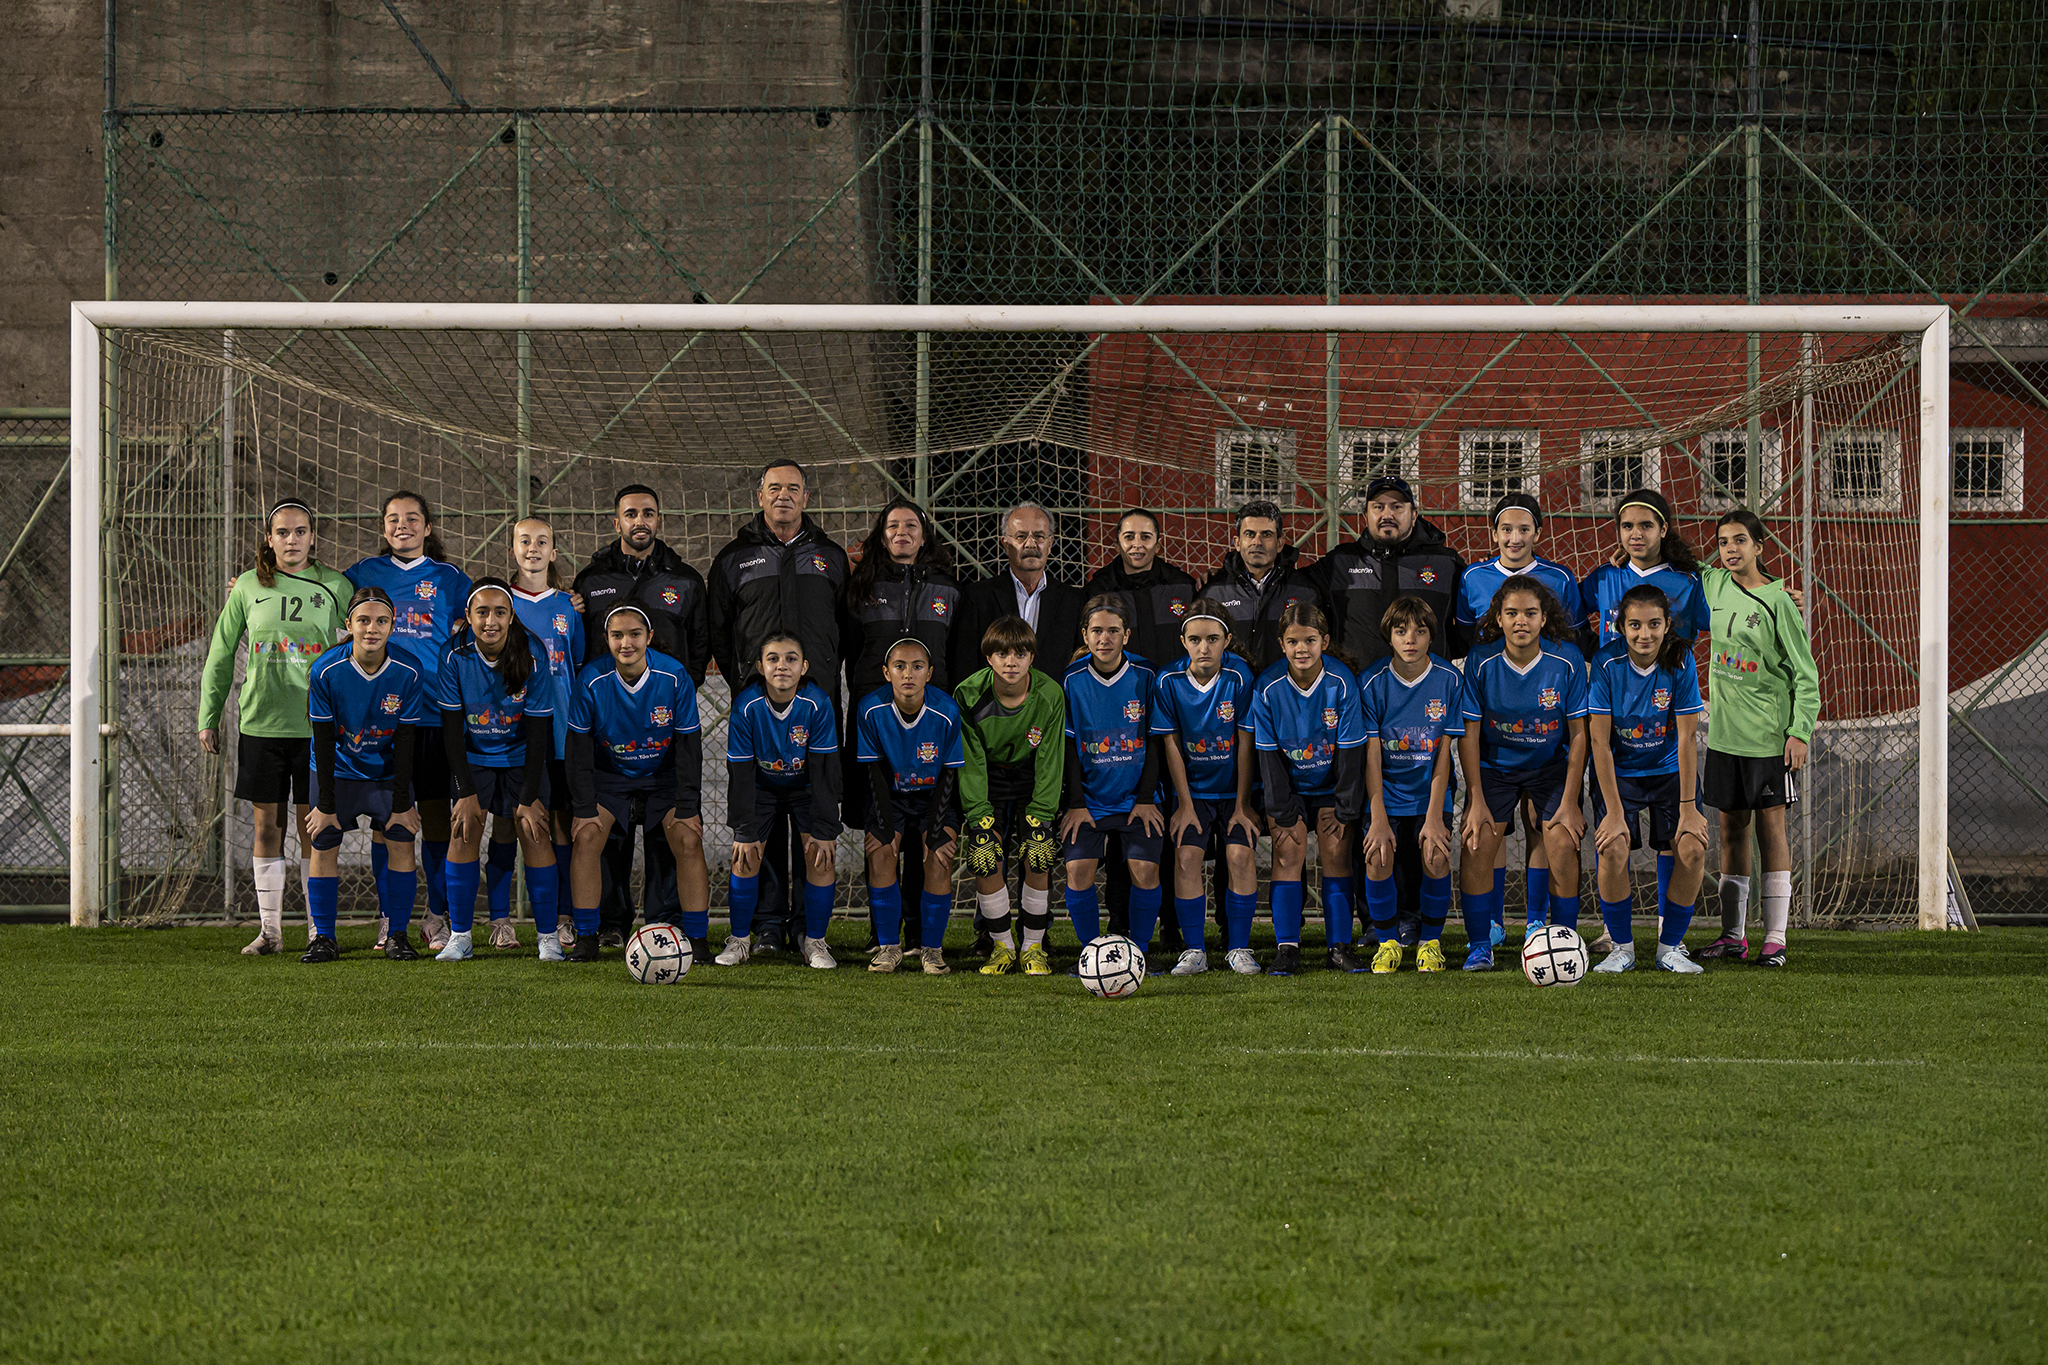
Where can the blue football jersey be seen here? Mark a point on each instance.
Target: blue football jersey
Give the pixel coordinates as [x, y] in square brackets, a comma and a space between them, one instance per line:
[494, 718]
[1478, 585]
[916, 750]
[1413, 721]
[1602, 592]
[1309, 725]
[1642, 704]
[551, 619]
[1207, 719]
[1522, 713]
[428, 596]
[633, 729]
[779, 743]
[1108, 719]
[366, 708]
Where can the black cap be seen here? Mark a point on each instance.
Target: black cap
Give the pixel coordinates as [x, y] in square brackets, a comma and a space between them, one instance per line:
[1645, 497]
[1390, 483]
[1526, 501]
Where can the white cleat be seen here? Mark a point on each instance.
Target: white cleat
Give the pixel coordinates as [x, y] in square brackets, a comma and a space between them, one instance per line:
[459, 949]
[383, 933]
[738, 948]
[1193, 962]
[264, 944]
[816, 954]
[1243, 963]
[1622, 959]
[1675, 959]
[565, 934]
[434, 929]
[551, 949]
[503, 934]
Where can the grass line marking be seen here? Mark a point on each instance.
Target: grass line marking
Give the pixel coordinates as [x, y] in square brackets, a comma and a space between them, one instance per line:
[1508, 1055]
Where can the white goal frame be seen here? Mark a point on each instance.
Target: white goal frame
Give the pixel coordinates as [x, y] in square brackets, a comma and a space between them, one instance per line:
[90, 734]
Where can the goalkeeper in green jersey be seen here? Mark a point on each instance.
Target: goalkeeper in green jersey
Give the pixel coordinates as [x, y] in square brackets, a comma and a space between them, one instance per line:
[291, 609]
[1764, 694]
[1013, 727]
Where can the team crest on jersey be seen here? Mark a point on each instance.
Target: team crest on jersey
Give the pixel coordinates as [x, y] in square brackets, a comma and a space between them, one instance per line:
[1134, 709]
[1548, 698]
[1226, 710]
[318, 601]
[1428, 575]
[1661, 699]
[1435, 710]
[561, 624]
[1329, 717]
[939, 607]
[1753, 620]
[799, 735]
[927, 752]
[661, 714]
[1033, 735]
[390, 704]
[818, 563]
[424, 590]
[669, 596]
[1177, 607]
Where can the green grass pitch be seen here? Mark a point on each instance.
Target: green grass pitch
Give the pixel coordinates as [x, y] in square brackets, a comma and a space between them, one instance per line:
[208, 1157]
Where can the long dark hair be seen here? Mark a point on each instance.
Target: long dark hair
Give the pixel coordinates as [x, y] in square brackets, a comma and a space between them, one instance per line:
[555, 564]
[1555, 627]
[433, 548]
[515, 661]
[874, 551]
[1676, 649]
[1672, 548]
[266, 558]
[1752, 523]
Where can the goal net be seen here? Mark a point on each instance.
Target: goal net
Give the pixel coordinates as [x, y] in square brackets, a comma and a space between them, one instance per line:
[214, 412]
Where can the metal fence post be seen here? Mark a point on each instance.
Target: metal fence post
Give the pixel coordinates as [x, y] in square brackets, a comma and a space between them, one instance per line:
[227, 560]
[921, 476]
[1332, 219]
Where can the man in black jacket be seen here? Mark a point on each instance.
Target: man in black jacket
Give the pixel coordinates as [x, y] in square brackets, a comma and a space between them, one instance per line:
[640, 570]
[1401, 555]
[1257, 581]
[780, 573]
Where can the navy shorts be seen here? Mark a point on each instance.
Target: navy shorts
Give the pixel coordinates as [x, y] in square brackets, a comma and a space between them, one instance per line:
[429, 764]
[1210, 816]
[1542, 787]
[772, 803]
[497, 789]
[1657, 794]
[354, 801]
[270, 769]
[911, 812]
[1139, 847]
[1256, 803]
[557, 790]
[617, 793]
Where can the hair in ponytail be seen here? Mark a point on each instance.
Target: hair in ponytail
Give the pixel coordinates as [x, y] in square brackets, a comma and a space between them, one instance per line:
[555, 564]
[433, 548]
[266, 558]
[1676, 649]
[515, 661]
[1752, 523]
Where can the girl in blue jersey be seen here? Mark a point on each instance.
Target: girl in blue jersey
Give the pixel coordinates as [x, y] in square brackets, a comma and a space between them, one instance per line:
[635, 741]
[908, 737]
[1112, 771]
[497, 702]
[782, 761]
[365, 699]
[553, 616]
[1644, 708]
[1310, 732]
[1525, 687]
[1198, 707]
[427, 595]
[1414, 708]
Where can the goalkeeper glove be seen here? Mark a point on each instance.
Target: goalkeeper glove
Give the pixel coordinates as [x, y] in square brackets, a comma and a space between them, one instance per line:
[984, 849]
[1038, 849]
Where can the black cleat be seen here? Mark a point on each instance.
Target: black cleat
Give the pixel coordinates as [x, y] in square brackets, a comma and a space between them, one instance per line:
[398, 948]
[321, 949]
[1342, 959]
[700, 951]
[1286, 961]
[984, 943]
[1769, 957]
[770, 944]
[611, 938]
[585, 949]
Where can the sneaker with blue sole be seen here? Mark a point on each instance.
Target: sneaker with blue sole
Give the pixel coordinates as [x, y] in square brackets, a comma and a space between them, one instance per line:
[1498, 934]
[1480, 959]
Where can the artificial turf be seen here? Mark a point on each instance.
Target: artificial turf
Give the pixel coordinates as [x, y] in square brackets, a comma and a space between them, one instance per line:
[209, 1157]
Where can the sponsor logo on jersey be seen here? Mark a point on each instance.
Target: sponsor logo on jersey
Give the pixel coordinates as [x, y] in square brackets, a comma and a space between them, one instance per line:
[927, 752]
[1547, 699]
[669, 596]
[1226, 710]
[390, 704]
[1436, 709]
[1329, 717]
[799, 735]
[1134, 709]
[1033, 735]
[939, 607]
[424, 590]
[1661, 699]
[1733, 662]
[1427, 575]
[661, 715]
[561, 624]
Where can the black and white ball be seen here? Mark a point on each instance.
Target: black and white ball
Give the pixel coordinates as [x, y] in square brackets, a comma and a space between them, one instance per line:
[1112, 967]
[658, 955]
[1554, 956]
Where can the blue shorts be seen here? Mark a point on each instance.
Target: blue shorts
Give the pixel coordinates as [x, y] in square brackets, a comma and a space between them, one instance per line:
[617, 793]
[1657, 794]
[1542, 787]
[354, 801]
[1093, 841]
[497, 789]
[772, 803]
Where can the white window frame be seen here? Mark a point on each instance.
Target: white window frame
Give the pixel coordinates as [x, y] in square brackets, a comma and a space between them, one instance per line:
[1407, 459]
[1772, 476]
[1532, 457]
[2013, 497]
[1591, 444]
[1886, 498]
[1279, 440]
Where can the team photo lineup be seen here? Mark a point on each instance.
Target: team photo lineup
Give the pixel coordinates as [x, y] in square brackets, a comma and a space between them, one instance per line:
[1408, 710]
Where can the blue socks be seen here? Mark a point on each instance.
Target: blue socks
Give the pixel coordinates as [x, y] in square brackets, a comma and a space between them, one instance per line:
[1383, 908]
[1537, 881]
[1145, 913]
[697, 923]
[817, 912]
[585, 917]
[1084, 908]
[1565, 910]
[1677, 919]
[1188, 912]
[462, 878]
[934, 909]
[323, 898]
[498, 879]
[885, 907]
[744, 895]
[1663, 883]
[541, 886]
[1237, 918]
[1435, 907]
[1480, 909]
[433, 861]
[1616, 916]
[399, 889]
[1287, 902]
[1337, 908]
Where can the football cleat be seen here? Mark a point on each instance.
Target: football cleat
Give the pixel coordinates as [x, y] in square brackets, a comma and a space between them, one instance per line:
[565, 934]
[1386, 960]
[1241, 961]
[1603, 944]
[738, 948]
[1193, 962]
[1037, 961]
[1038, 848]
[1429, 957]
[984, 943]
[503, 935]
[551, 948]
[1286, 960]
[817, 955]
[933, 961]
[434, 930]
[398, 948]
[982, 848]
[611, 938]
[321, 949]
[1773, 955]
[1342, 959]
[383, 932]
[586, 948]
[887, 958]
[1497, 934]
[1000, 962]
[461, 948]
[1726, 946]
[1622, 959]
[1530, 924]
[263, 945]
[1480, 959]
[1672, 958]
[700, 949]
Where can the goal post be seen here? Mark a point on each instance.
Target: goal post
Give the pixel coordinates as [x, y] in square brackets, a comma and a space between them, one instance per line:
[442, 354]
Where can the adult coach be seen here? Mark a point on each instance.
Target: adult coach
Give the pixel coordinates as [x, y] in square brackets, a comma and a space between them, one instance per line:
[1258, 581]
[1402, 554]
[1157, 593]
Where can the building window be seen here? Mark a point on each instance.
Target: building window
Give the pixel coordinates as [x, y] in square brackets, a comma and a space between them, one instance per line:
[1253, 465]
[1859, 470]
[1988, 469]
[1724, 469]
[1612, 463]
[1492, 464]
[1365, 453]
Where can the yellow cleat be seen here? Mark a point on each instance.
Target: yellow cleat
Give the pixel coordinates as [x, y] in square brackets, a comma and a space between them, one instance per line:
[1430, 957]
[1037, 962]
[1000, 962]
[1387, 960]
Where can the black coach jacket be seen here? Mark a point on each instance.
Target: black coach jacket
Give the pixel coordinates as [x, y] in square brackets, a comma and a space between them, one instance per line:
[662, 585]
[1157, 599]
[759, 585]
[1254, 609]
[909, 599]
[1361, 578]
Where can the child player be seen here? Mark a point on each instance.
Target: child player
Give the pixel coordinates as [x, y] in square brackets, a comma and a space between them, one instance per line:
[1643, 707]
[1413, 708]
[553, 615]
[1112, 771]
[364, 698]
[908, 737]
[782, 760]
[1525, 686]
[1197, 708]
[1310, 734]
[635, 743]
[1013, 718]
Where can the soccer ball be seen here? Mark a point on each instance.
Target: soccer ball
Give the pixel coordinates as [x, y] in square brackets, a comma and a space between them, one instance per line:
[1554, 956]
[657, 955]
[1112, 967]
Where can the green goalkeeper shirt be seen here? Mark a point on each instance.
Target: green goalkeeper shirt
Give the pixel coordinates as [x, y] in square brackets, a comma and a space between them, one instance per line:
[1005, 748]
[288, 625]
[1762, 684]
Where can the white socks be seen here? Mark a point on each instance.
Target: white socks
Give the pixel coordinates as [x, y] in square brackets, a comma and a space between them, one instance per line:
[1777, 907]
[1735, 906]
[1038, 908]
[993, 907]
[270, 895]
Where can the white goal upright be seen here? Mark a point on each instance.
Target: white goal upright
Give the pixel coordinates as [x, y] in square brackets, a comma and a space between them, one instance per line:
[189, 419]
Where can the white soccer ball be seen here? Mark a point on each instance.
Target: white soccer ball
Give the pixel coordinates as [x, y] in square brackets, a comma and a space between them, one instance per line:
[658, 955]
[1554, 956]
[1112, 967]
